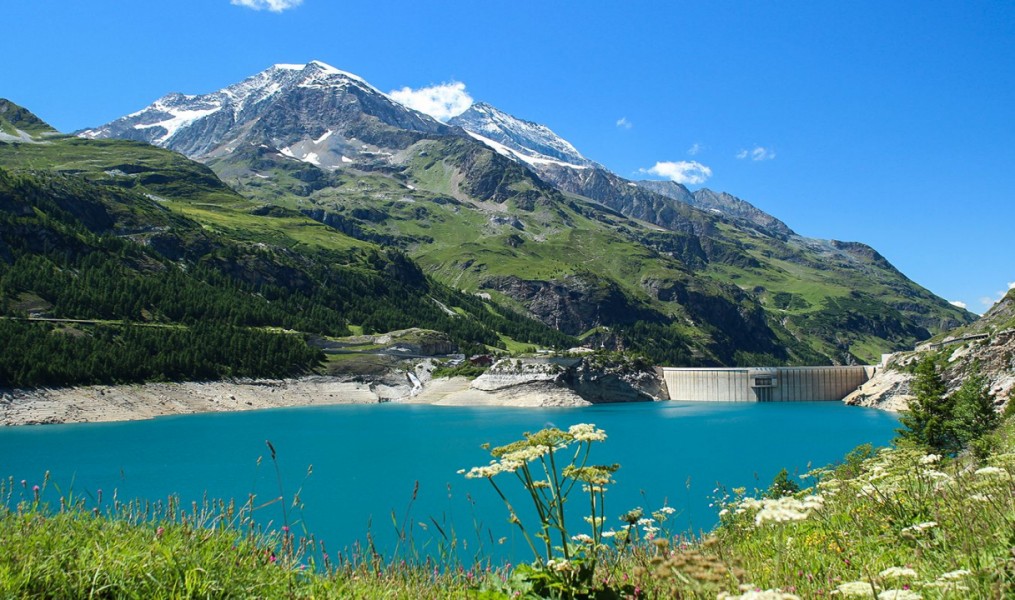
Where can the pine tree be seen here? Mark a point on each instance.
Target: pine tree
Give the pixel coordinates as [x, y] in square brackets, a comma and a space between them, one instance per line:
[782, 485]
[929, 418]
[974, 413]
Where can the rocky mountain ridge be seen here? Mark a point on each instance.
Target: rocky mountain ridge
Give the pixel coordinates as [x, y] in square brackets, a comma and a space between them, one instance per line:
[573, 245]
[283, 107]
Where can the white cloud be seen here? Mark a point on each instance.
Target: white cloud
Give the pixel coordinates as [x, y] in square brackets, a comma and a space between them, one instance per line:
[757, 153]
[958, 303]
[623, 123]
[272, 5]
[695, 149]
[989, 301]
[681, 171]
[439, 101]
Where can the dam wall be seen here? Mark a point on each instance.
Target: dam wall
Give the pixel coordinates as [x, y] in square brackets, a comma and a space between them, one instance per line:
[764, 384]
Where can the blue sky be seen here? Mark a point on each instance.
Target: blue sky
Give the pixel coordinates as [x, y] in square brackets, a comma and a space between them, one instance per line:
[889, 123]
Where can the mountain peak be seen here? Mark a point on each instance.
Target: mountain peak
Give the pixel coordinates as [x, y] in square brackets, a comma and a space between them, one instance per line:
[290, 107]
[519, 139]
[323, 68]
[20, 124]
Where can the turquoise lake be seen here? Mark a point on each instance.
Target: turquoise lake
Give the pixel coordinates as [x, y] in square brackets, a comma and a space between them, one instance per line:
[367, 459]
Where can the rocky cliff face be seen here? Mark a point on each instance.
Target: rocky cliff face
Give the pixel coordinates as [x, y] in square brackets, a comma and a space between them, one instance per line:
[594, 379]
[628, 198]
[987, 345]
[722, 203]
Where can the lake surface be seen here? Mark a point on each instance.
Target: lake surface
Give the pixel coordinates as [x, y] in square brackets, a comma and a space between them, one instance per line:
[367, 459]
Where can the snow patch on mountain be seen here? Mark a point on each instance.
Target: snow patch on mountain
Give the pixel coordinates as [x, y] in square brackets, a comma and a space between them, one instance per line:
[179, 118]
[516, 155]
[530, 142]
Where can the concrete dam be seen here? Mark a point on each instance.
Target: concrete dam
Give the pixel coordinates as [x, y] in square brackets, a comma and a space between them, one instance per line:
[764, 384]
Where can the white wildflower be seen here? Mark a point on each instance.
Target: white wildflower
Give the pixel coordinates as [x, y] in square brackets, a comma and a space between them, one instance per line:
[829, 484]
[950, 586]
[787, 509]
[488, 471]
[586, 432]
[955, 575]
[930, 459]
[990, 471]
[667, 510]
[813, 502]
[897, 573]
[921, 527]
[646, 521]
[751, 503]
[582, 538]
[724, 512]
[778, 515]
[526, 454]
[876, 473]
[899, 595]
[609, 534]
[937, 475]
[855, 589]
[759, 595]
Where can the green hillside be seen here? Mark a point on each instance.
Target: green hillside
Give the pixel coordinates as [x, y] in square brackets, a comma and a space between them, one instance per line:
[152, 256]
[707, 292]
[443, 234]
[14, 119]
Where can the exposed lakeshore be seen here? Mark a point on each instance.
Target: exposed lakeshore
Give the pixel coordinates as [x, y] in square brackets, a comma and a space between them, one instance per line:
[521, 383]
[102, 403]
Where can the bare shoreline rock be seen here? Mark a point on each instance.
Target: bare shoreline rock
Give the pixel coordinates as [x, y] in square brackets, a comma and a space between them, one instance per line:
[516, 382]
[102, 403]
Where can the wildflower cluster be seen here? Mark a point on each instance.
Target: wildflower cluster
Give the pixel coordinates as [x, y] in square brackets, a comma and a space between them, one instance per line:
[781, 510]
[901, 583]
[550, 464]
[895, 523]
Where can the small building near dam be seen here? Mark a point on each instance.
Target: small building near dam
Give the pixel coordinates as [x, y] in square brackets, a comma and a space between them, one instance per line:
[764, 384]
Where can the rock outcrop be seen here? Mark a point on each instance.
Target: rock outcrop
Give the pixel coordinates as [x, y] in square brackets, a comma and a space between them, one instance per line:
[588, 380]
[987, 345]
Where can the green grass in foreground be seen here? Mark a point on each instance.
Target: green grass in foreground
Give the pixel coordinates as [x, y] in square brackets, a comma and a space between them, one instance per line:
[897, 523]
